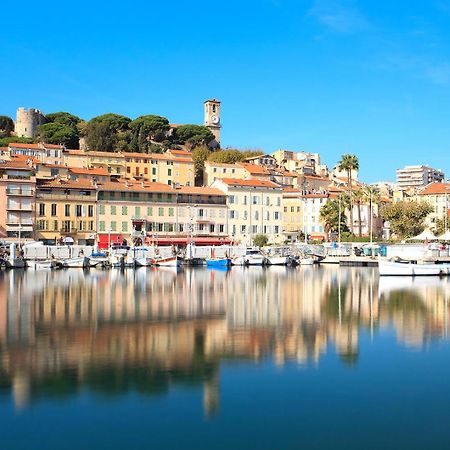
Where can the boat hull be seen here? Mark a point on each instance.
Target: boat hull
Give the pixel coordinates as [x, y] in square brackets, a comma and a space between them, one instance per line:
[172, 261]
[277, 260]
[219, 262]
[389, 268]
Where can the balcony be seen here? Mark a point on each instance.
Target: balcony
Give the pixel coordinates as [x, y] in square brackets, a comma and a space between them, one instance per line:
[20, 192]
[19, 207]
[68, 231]
[86, 198]
[18, 221]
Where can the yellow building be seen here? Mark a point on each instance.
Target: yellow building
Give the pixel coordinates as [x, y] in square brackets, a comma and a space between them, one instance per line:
[171, 167]
[66, 211]
[437, 195]
[160, 213]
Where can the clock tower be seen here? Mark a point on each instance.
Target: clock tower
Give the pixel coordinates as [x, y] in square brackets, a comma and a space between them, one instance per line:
[212, 117]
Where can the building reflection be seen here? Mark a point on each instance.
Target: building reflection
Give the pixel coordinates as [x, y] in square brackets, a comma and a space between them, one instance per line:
[152, 329]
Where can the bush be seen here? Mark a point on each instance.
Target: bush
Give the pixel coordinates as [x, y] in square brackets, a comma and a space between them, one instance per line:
[260, 240]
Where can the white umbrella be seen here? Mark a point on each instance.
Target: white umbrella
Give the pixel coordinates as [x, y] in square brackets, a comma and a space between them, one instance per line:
[445, 236]
[426, 235]
[68, 240]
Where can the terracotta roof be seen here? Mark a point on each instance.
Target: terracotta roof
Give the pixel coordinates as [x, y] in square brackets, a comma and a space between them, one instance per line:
[250, 183]
[75, 152]
[90, 171]
[60, 147]
[66, 184]
[180, 152]
[17, 165]
[254, 168]
[33, 159]
[59, 166]
[20, 145]
[436, 189]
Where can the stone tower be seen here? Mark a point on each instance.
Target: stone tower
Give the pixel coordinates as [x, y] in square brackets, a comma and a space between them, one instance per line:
[27, 121]
[212, 117]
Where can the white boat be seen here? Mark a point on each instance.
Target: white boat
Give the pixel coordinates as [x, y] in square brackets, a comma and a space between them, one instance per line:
[170, 261]
[139, 255]
[391, 268]
[277, 260]
[119, 256]
[306, 261]
[15, 263]
[252, 257]
[80, 262]
[42, 265]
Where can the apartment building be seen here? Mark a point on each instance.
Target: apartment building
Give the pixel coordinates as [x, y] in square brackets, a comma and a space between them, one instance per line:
[417, 177]
[157, 212]
[438, 196]
[66, 211]
[254, 207]
[46, 153]
[17, 190]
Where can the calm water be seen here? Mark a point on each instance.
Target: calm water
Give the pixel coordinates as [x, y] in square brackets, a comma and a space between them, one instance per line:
[248, 358]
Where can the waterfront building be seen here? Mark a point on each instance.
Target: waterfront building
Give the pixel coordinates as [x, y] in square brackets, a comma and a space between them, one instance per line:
[17, 190]
[171, 167]
[437, 195]
[159, 213]
[254, 207]
[417, 177]
[66, 211]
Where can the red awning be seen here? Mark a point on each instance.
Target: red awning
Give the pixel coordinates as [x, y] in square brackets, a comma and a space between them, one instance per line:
[103, 239]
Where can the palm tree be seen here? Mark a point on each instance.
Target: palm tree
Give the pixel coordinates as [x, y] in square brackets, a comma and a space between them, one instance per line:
[359, 197]
[331, 212]
[372, 195]
[348, 163]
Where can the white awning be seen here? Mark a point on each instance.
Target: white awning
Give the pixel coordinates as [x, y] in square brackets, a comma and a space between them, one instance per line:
[426, 235]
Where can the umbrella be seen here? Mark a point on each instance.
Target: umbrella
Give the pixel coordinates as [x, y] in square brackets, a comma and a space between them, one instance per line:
[426, 235]
[445, 236]
[68, 240]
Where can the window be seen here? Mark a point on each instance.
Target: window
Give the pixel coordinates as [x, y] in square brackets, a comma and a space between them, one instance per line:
[113, 226]
[243, 229]
[124, 227]
[53, 207]
[41, 209]
[137, 211]
[245, 215]
[221, 228]
[124, 210]
[90, 210]
[276, 215]
[231, 199]
[171, 211]
[78, 210]
[153, 170]
[149, 211]
[101, 209]
[256, 215]
[244, 200]
[285, 209]
[254, 200]
[160, 212]
[169, 172]
[101, 225]
[113, 210]
[67, 210]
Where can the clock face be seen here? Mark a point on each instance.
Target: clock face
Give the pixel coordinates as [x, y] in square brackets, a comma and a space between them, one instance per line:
[214, 119]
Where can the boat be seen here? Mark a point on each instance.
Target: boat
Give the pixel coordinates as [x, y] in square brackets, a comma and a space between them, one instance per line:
[305, 261]
[252, 257]
[395, 268]
[277, 260]
[139, 256]
[218, 262]
[99, 259]
[170, 261]
[80, 262]
[43, 265]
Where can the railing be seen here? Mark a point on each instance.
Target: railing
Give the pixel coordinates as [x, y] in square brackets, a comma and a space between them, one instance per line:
[85, 198]
[16, 221]
[18, 207]
[68, 231]
[18, 177]
[18, 191]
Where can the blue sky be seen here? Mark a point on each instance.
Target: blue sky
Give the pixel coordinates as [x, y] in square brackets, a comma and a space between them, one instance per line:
[328, 76]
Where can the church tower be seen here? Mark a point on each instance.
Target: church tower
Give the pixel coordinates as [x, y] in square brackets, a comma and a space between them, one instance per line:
[212, 117]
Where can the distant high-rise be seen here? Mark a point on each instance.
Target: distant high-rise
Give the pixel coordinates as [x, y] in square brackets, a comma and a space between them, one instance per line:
[416, 177]
[27, 121]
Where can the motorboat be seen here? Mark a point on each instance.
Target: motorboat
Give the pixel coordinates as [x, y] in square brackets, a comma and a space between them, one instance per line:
[79, 262]
[252, 257]
[396, 268]
[43, 265]
[170, 261]
[275, 260]
[305, 261]
[218, 262]
[139, 256]
[99, 259]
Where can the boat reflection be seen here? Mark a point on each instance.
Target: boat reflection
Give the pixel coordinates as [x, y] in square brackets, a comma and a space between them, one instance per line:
[148, 330]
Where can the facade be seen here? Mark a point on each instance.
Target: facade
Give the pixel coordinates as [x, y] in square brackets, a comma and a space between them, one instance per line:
[172, 167]
[214, 171]
[299, 162]
[417, 177]
[437, 195]
[27, 121]
[17, 190]
[254, 207]
[66, 211]
[45, 153]
[212, 117]
[157, 212]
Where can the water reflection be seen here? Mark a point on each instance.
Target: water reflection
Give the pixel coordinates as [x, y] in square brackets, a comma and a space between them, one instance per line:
[147, 330]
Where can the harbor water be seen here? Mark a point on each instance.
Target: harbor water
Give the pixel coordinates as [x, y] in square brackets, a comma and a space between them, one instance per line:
[202, 358]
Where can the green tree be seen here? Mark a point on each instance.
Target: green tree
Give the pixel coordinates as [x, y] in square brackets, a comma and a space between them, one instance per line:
[441, 226]
[329, 214]
[192, 135]
[226, 156]
[4, 142]
[260, 240]
[358, 198]
[63, 118]
[145, 130]
[346, 164]
[407, 218]
[58, 133]
[372, 196]
[6, 126]
[199, 156]
[109, 132]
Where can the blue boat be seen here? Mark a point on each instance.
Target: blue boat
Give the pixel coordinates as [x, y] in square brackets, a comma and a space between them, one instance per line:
[218, 262]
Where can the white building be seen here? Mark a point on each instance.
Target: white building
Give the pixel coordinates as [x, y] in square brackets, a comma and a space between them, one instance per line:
[254, 207]
[416, 177]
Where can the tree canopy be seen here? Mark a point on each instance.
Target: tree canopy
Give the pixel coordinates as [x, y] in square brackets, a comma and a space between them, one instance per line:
[58, 133]
[63, 118]
[4, 142]
[231, 156]
[407, 218]
[146, 129]
[6, 126]
[260, 240]
[329, 213]
[193, 135]
[108, 132]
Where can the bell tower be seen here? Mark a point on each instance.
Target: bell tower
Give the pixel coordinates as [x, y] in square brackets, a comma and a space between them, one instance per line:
[212, 117]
